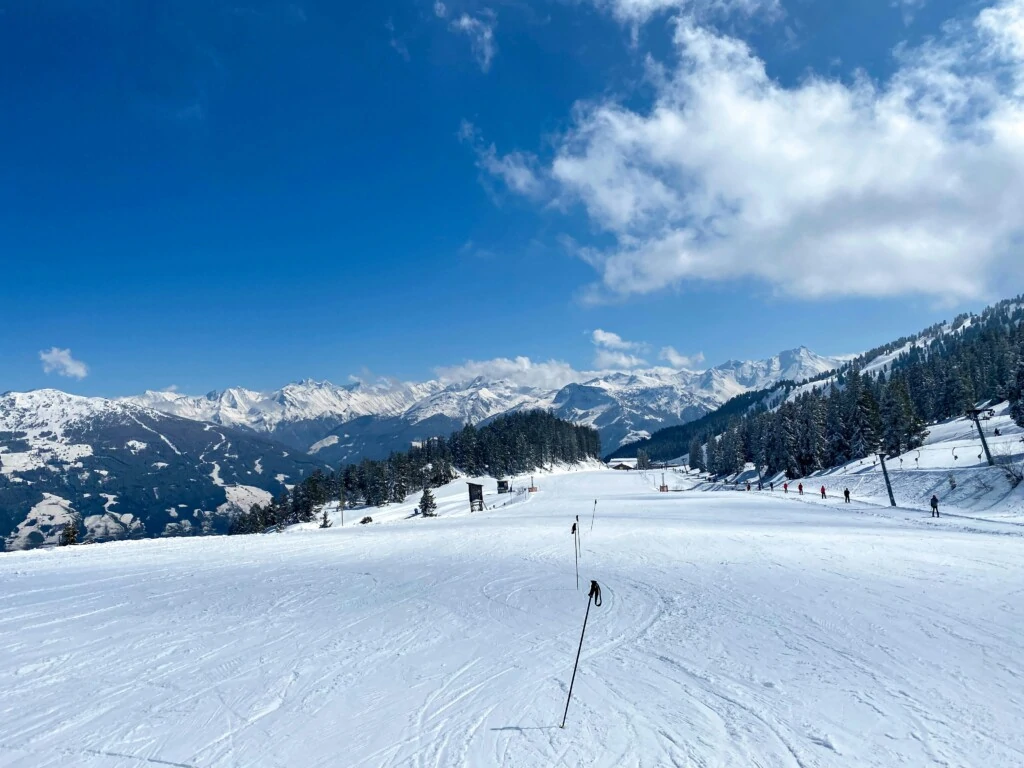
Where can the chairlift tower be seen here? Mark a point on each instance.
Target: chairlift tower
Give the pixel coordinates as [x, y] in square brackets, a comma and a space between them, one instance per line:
[975, 415]
[885, 474]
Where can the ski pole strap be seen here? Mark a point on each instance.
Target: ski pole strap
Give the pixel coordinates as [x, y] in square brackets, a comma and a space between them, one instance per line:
[595, 593]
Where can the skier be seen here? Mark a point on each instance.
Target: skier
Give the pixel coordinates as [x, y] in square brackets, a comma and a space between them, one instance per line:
[846, 495]
[800, 489]
[772, 485]
[935, 505]
[748, 485]
[785, 487]
[823, 492]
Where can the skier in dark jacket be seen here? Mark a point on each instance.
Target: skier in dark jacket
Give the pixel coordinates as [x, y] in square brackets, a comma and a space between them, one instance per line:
[935, 505]
[800, 489]
[846, 495]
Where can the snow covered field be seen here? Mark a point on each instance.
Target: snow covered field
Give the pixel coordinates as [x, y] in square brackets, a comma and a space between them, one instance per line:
[951, 464]
[737, 630]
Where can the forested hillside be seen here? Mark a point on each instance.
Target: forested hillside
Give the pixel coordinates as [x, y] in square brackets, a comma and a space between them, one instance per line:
[882, 401]
[509, 445]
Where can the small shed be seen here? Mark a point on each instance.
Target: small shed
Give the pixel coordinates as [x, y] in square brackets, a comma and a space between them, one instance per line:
[476, 497]
[624, 467]
[503, 486]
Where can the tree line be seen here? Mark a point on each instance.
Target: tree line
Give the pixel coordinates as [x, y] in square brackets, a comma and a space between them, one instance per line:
[509, 445]
[932, 377]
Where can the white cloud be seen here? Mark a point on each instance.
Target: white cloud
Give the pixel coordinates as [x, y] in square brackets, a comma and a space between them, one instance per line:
[610, 359]
[611, 340]
[613, 352]
[61, 362]
[677, 360]
[519, 171]
[480, 30]
[822, 189]
[640, 11]
[908, 8]
[440, 10]
[397, 45]
[553, 374]
[1004, 24]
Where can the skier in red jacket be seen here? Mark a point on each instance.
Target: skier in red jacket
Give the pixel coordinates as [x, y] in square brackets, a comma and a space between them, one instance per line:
[823, 492]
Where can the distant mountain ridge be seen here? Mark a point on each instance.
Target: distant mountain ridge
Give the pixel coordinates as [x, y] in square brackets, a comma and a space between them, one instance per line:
[125, 471]
[345, 423]
[168, 464]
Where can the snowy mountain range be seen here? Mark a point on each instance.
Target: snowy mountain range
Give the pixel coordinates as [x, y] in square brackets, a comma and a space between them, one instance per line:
[165, 463]
[345, 423]
[125, 471]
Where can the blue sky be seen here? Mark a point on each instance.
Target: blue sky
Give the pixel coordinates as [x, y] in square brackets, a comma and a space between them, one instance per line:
[205, 194]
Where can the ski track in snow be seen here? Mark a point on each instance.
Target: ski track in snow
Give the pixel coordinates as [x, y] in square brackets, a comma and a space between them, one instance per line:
[737, 630]
[150, 429]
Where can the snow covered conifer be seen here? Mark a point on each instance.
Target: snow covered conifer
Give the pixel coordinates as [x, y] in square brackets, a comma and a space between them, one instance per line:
[643, 461]
[69, 534]
[428, 507]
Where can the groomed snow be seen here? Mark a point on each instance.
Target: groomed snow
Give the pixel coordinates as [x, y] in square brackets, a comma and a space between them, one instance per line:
[738, 629]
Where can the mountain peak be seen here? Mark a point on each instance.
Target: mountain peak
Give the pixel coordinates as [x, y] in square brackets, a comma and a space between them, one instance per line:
[620, 403]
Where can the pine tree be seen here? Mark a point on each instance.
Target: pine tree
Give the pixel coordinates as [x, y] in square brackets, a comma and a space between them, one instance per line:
[810, 443]
[69, 534]
[837, 443]
[731, 455]
[325, 522]
[643, 461]
[901, 429]
[781, 442]
[861, 414]
[711, 455]
[428, 507]
[696, 454]
[1016, 391]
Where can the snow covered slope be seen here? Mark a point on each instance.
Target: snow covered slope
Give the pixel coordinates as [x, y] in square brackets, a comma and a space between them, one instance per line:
[951, 465]
[736, 630]
[343, 424]
[125, 471]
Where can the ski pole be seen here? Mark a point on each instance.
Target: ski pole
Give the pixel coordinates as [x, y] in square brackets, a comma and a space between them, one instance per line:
[595, 598]
[592, 515]
[576, 554]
